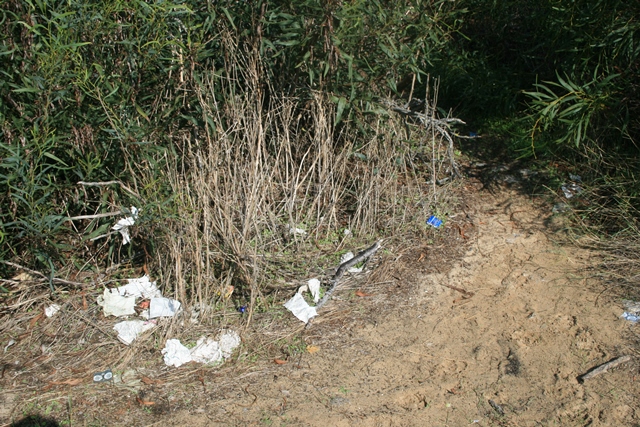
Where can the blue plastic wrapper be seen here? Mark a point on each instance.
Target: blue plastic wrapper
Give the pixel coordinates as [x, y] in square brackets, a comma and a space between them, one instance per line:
[242, 309]
[434, 222]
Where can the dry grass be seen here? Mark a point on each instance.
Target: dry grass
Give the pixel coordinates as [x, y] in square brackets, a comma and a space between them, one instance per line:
[268, 164]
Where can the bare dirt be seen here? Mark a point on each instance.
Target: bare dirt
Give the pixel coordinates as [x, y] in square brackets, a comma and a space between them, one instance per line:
[492, 325]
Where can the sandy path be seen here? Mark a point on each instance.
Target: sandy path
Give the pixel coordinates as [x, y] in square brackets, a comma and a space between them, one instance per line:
[436, 358]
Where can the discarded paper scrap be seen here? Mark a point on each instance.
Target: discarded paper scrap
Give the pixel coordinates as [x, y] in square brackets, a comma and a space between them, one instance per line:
[129, 330]
[123, 225]
[141, 287]
[51, 310]
[114, 304]
[300, 308]
[206, 350]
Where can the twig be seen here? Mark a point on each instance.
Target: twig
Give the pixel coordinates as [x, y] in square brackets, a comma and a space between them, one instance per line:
[467, 294]
[44, 276]
[601, 369]
[105, 183]
[344, 267]
[102, 215]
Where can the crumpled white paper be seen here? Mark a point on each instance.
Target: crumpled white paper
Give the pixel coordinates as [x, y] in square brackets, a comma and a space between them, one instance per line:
[299, 307]
[114, 304]
[206, 350]
[129, 330]
[123, 225]
[51, 310]
[296, 231]
[175, 354]
[141, 287]
[346, 257]
[163, 307]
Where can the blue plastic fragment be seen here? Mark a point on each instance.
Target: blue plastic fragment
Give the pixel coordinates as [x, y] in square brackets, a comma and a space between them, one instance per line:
[242, 309]
[473, 134]
[633, 318]
[433, 221]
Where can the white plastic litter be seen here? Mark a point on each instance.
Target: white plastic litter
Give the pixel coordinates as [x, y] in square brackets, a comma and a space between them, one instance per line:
[115, 304]
[207, 350]
[314, 288]
[229, 341]
[346, 257]
[163, 307]
[296, 231]
[175, 354]
[142, 287]
[123, 225]
[299, 307]
[129, 330]
[51, 310]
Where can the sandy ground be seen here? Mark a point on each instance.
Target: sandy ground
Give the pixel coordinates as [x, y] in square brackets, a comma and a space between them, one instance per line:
[497, 336]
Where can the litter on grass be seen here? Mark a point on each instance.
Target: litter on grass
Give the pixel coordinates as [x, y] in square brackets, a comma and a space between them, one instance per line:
[129, 330]
[571, 190]
[100, 377]
[114, 304]
[123, 225]
[141, 287]
[434, 221]
[300, 308]
[163, 307]
[51, 310]
[206, 350]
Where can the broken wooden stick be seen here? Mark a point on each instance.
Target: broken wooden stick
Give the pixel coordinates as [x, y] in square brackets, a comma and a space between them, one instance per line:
[601, 369]
[367, 253]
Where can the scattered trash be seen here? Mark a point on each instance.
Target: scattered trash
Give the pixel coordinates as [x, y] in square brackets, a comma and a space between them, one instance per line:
[632, 313]
[346, 257]
[296, 231]
[142, 287]
[300, 308]
[123, 225]
[601, 369]
[242, 309]
[9, 344]
[347, 232]
[434, 222]
[473, 135]
[175, 354]
[129, 330]
[571, 190]
[560, 208]
[114, 304]
[314, 288]
[100, 377]
[576, 178]
[163, 307]
[633, 318]
[51, 310]
[206, 350]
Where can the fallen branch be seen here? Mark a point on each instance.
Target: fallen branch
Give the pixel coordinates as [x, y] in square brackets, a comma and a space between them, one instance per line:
[365, 254]
[601, 369]
[44, 276]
